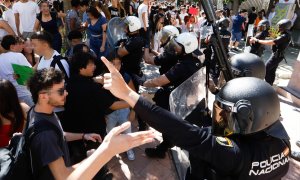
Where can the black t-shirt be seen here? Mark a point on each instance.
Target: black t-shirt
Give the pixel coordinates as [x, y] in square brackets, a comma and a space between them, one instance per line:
[282, 42]
[258, 48]
[47, 146]
[166, 61]
[131, 62]
[186, 67]
[86, 106]
[251, 18]
[114, 12]
[225, 35]
[49, 26]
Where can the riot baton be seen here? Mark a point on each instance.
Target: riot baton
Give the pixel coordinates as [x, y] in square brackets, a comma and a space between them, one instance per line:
[216, 41]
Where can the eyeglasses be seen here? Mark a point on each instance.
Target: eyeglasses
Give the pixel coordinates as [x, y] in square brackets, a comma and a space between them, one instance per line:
[60, 91]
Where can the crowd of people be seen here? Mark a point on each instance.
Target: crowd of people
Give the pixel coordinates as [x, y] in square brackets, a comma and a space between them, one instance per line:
[89, 100]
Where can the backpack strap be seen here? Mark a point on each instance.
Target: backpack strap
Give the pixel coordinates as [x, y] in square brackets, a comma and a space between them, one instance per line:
[57, 61]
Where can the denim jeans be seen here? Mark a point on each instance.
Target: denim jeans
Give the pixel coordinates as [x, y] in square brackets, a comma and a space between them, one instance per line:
[116, 118]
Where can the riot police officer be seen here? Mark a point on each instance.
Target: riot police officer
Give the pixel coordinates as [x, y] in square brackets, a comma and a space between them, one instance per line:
[278, 47]
[131, 53]
[247, 65]
[244, 65]
[263, 28]
[166, 60]
[183, 47]
[246, 141]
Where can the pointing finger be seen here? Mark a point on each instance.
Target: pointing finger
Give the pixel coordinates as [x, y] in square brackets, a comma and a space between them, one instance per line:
[109, 66]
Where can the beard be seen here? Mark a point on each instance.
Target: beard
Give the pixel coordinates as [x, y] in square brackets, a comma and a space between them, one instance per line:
[56, 103]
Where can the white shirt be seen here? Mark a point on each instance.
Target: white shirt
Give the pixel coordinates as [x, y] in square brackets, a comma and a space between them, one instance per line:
[9, 17]
[45, 63]
[27, 14]
[294, 19]
[7, 72]
[2, 31]
[270, 17]
[143, 8]
[181, 15]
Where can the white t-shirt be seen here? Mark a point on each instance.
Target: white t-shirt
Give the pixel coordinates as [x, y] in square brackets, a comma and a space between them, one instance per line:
[45, 63]
[27, 13]
[2, 31]
[9, 17]
[7, 72]
[181, 15]
[143, 8]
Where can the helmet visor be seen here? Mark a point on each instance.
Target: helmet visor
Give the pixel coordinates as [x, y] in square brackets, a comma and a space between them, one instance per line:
[173, 47]
[224, 123]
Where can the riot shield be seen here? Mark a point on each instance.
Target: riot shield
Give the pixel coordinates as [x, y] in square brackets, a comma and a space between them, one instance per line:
[115, 31]
[185, 98]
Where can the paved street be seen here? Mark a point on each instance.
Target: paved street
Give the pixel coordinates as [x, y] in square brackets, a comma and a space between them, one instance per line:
[164, 169]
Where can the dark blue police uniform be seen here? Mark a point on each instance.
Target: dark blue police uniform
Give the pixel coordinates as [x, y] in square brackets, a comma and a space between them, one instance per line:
[258, 157]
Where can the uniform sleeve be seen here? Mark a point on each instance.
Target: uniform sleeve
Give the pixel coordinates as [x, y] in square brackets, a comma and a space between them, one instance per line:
[200, 142]
[175, 72]
[131, 46]
[45, 148]
[280, 39]
[159, 60]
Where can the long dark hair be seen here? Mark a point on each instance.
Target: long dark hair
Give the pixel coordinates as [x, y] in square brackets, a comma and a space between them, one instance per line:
[10, 107]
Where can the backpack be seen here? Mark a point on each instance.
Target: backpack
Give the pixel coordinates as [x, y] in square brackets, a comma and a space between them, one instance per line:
[57, 61]
[15, 159]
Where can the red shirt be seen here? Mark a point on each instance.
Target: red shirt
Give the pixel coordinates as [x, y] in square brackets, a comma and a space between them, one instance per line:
[5, 134]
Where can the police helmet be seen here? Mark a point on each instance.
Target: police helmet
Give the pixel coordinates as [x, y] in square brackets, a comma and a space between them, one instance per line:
[167, 33]
[188, 41]
[284, 24]
[247, 65]
[246, 106]
[265, 24]
[184, 43]
[134, 23]
[223, 23]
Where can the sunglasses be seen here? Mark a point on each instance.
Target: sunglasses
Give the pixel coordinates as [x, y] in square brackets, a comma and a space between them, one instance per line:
[60, 91]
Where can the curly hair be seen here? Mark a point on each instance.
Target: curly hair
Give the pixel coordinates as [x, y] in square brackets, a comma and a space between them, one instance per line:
[43, 80]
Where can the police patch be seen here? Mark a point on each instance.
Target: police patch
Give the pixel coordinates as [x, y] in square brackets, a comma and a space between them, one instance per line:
[223, 141]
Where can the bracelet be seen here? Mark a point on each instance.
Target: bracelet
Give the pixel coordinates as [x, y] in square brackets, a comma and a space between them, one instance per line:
[257, 40]
[83, 136]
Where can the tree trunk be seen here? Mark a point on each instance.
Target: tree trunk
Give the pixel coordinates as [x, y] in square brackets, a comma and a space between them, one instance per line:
[67, 5]
[270, 6]
[235, 6]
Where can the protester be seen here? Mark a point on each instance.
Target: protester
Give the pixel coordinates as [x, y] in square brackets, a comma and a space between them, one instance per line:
[25, 11]
[50, 157]
[28, 52]
[49, 22]
[73, 21]
[12, 112]
[8, 15]
[97, 31]
[9, 43]
[237, 25]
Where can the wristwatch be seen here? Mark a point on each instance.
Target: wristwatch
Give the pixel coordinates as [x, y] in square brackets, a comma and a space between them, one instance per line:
[257, 40]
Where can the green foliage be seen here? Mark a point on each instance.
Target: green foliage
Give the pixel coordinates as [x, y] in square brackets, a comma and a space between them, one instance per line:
[274, 32]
